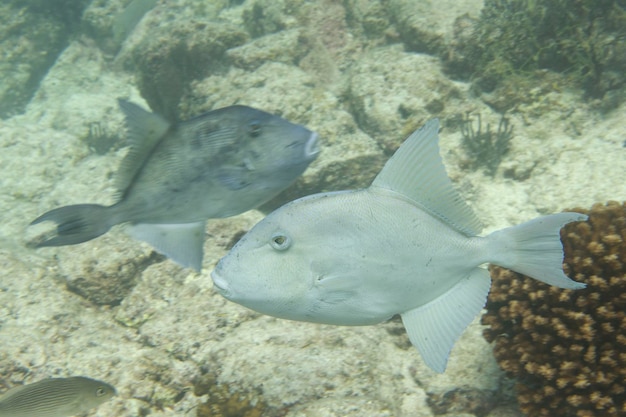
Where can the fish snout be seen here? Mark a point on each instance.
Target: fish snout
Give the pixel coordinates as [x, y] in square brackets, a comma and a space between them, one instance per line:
[311, 148]
[220, 284]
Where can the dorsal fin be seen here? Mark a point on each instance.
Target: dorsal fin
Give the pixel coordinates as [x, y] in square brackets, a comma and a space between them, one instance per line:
[416, 171]
[144, 131]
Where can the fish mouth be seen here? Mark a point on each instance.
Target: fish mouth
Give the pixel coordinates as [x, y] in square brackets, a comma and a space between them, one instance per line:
[220, 284]
[311, 148]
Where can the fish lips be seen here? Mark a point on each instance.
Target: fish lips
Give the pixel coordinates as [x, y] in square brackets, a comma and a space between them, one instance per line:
[312, 147]
[220, 284]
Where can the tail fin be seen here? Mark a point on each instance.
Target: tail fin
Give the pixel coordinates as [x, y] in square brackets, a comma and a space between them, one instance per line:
[534, 248]
[75, 224]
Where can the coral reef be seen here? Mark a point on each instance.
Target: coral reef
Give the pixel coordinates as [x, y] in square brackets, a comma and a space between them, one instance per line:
[567, 348]
[586, 40]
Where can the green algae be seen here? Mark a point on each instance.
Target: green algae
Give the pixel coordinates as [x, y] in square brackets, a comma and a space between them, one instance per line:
[584, 41]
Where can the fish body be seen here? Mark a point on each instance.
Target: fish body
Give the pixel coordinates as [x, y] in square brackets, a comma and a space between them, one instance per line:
[126, 20]
[55, 397]
[406, 245]
[175, 177]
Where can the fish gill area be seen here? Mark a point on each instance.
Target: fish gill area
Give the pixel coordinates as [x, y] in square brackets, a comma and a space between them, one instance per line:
[363, 74]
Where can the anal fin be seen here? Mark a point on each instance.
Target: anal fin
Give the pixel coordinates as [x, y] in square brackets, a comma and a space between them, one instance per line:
[434, 327]
[180, 242]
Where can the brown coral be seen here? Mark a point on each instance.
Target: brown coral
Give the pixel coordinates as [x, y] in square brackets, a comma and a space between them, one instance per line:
[567, 348]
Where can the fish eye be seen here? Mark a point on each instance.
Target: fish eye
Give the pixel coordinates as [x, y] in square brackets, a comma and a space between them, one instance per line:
[254, 128]
[280, 242]
[100, 391]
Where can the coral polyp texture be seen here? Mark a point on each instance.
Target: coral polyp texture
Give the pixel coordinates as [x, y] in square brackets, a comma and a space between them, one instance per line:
[567, 348]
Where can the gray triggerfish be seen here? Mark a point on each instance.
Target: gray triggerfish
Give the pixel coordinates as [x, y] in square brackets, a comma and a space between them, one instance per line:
[406, 245]
[55, 397]
[176, 176]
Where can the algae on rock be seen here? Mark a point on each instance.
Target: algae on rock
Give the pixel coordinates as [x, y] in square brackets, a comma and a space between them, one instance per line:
[585, 41]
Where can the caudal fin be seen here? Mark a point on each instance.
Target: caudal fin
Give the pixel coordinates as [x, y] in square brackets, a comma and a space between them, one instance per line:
[75, 224]
[534, 248]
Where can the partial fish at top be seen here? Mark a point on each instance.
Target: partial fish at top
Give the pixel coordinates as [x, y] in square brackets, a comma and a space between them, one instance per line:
[406, 245]
[176, 176]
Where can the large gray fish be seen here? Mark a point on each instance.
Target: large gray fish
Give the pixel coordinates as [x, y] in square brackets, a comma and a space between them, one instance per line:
[55, 397]
[406, 245]
[175, 177]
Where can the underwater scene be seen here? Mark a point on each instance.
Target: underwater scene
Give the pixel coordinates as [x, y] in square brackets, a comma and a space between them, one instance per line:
[299, 208]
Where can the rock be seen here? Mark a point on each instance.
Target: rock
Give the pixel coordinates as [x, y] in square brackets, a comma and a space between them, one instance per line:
[32, 34]
[171, 50]
[391, 93]
[285, 46]
[106, 270]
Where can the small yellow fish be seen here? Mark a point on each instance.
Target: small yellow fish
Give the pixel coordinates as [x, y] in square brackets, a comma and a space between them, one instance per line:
[55, 397]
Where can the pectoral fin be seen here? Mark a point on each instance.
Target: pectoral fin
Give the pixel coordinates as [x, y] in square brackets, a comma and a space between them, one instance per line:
[180, 242]
[435, 327]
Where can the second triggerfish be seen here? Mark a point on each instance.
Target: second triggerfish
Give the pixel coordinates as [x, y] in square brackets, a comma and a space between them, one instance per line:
[176, 176]
[406, 245]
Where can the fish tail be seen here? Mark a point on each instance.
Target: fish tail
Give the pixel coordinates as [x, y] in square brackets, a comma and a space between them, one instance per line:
[534, 248]
[75, 224]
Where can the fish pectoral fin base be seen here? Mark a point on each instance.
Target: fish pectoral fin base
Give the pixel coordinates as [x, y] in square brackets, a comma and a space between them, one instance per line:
[435, 327]
[182, 243]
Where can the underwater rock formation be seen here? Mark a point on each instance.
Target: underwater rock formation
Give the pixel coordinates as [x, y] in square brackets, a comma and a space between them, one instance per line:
[513, 39]
[567, 348]
[184, 52]
[100, 276]
[32, 35]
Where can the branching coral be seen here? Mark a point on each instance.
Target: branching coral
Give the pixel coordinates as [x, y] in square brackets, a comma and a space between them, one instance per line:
[567, 348]
[486, 148]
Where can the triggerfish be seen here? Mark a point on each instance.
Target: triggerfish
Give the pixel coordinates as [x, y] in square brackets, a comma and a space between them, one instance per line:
[176, 176]
[406, 245]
